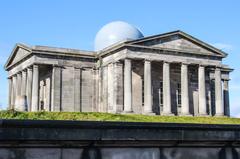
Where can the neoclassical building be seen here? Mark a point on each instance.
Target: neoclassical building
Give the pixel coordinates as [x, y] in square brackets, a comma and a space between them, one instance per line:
[166, 74]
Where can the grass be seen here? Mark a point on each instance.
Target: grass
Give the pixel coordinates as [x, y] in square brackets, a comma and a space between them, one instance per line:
[93, 116]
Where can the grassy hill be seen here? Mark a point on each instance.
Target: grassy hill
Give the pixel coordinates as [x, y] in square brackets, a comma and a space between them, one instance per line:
[114, 117]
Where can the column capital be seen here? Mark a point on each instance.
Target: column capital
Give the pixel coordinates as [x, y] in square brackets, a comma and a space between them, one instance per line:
[19, 73]
[218, 68]
[147, 60]
[167, 62]
[226, 79]
[117, 62]
[24, 70]
[127, 59]
[29, 69]
[185, 63]
[202, 65]
[35, 65]
[56, 65]
[78, 68]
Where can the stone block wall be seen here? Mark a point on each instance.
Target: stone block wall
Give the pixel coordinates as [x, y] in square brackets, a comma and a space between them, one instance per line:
[116, 140]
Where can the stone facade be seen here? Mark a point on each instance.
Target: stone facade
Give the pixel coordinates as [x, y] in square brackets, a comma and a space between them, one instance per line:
[167, 74]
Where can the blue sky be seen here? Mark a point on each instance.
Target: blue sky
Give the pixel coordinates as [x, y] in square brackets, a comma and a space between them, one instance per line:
[74, 23]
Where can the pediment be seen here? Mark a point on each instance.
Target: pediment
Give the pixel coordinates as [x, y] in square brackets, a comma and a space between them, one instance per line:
[19, 52]
[179, 41]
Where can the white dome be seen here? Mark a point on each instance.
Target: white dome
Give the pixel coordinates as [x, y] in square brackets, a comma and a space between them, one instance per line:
[115, 32]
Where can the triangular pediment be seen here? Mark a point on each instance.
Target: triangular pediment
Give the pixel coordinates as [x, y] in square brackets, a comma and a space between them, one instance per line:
[179, 41]
[19, 52]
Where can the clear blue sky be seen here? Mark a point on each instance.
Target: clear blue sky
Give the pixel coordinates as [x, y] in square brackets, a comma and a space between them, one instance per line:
[74, 23]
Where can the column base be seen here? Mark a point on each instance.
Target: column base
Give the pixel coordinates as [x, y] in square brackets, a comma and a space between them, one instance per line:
[219, 115]
[127, 112]
[167, 114]
[203, 115]
[149, 113]
[187, 115]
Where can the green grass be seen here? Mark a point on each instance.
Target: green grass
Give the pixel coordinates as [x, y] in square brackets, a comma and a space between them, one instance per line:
[114, 117]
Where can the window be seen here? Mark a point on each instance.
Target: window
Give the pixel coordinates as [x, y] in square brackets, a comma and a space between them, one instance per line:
[142, 91]
[161, 93]
[178, 95]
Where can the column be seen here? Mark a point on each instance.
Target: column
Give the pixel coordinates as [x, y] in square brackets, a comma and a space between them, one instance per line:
[48, 94]
[29, 89]
[226, 97]
[202, 91]
[111, 92]
[118, 85]
[22, 103]
[218, 93]
[35, 88]
[18, 91]
[184, 90]
[147, 88]
[127, 86]
[56, 88]
[19, 82]
[13, 98]
[9, 92]
[77, 89]
[166, 89]
[23, 83]
[41, 95]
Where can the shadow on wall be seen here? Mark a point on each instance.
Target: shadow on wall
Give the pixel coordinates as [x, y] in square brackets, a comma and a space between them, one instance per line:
[228, 153]
[91, 153]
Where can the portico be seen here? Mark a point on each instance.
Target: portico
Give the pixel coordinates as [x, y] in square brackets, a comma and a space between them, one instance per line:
[200, 72]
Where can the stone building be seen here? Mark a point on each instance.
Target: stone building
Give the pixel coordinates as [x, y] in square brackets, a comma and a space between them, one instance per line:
[166, 74]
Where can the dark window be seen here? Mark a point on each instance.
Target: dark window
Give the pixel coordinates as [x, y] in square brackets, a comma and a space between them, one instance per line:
[178, 95]
[143, 91]
[161, 93]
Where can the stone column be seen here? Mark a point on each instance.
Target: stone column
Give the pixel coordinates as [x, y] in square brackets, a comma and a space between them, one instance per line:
[56, 88]
[41, 95]
[127, 86]
[111, 92]
[19, 82]
[184, 90]
[77, 89]
[18, 91]
[147, 88]
[202, 91]
[48, 94]
[35, 88]
[23, 83]
[166, 89]
[22, 103]
[118, 85]
[10, 92]
[29, 89]
[13, 98]
[218, 93]
[226, 97]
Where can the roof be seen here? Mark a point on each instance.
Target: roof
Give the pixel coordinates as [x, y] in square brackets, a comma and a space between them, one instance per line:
[45, 50]
[91, 54]
[135, 43]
